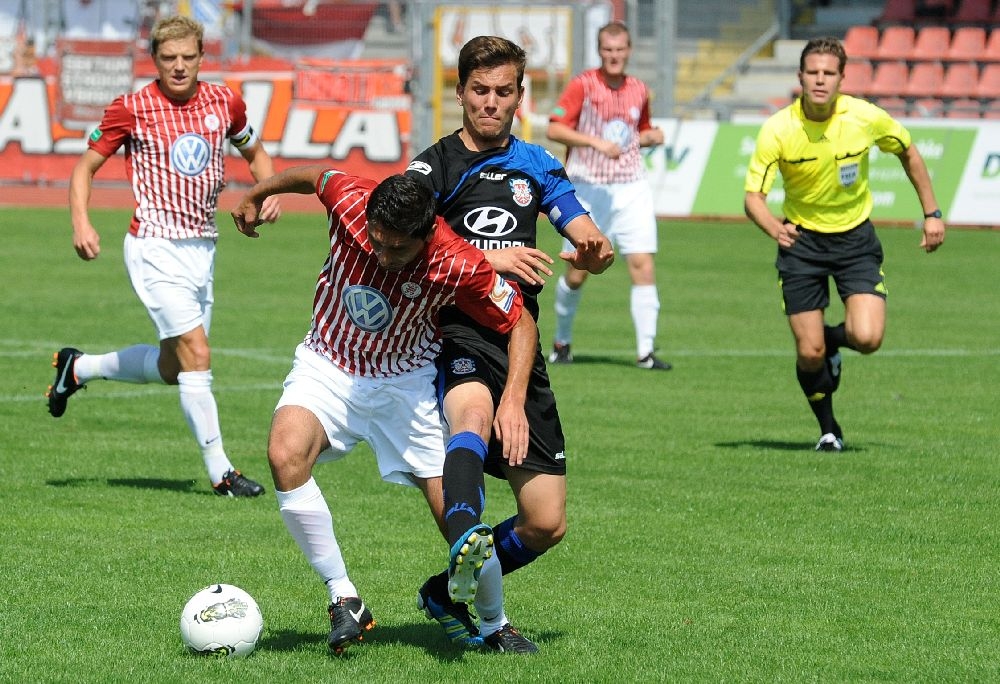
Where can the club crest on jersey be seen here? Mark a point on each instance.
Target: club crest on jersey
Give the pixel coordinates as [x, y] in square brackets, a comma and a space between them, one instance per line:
[190, 154]
[522, 191]
[463, 366]
[212, 122]
[367, 308]
[411, 290]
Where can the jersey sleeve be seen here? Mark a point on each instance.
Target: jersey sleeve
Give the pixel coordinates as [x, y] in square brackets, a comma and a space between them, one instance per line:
[890, 135]
[240, 133]
[567, 109]
[114, 129]
[489, 299]
[763, 166]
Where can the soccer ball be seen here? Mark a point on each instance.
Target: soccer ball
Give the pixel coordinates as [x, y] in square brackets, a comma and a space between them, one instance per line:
[221, 620]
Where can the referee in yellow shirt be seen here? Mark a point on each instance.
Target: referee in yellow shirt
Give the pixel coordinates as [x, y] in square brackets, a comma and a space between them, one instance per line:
[820, 145]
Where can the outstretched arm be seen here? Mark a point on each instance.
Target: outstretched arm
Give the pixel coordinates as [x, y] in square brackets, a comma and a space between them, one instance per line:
[593, 251]
[299, 179]
[262, 167]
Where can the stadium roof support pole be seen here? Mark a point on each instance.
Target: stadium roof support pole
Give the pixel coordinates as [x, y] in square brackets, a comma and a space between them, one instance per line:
[666, 53]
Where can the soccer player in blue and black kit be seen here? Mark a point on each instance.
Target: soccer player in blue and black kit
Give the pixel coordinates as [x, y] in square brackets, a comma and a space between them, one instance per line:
[491, 188]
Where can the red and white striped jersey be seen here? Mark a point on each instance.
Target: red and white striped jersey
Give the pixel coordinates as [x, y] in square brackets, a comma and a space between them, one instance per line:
[174, 153]
[590, 106]
[377, 323]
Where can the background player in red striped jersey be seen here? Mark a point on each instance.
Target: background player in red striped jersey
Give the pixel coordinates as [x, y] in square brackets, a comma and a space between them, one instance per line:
[365, 371]
[603, 119]
[174, 131]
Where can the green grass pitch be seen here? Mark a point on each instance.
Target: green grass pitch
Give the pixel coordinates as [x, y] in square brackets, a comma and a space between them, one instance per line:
[707, 541]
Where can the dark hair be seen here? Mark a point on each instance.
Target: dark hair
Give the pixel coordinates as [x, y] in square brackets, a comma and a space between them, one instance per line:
[175, 28]
[823, 46]
[615, 28]
[403, 205]
[489, 52]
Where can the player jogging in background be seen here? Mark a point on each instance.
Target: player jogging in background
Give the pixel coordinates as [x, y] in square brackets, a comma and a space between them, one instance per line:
[174, 132]
[365, 371]
[820, 145]
[603, 119]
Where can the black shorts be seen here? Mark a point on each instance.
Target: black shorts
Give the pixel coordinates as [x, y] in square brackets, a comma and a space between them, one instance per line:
[852, 258]
[474, 356]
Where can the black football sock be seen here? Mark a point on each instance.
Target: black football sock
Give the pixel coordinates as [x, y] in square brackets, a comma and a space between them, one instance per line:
[835, 337]
[464, 484]
[818, 388]
[510, 550]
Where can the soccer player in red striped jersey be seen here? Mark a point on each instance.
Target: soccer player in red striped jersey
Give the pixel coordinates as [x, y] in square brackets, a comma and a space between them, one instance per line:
[603, 119]
[366, 369]
[174, 132]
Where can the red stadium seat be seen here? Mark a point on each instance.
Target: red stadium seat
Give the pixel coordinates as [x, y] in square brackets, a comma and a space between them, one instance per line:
[965, 108]
[861, 42]
[992, 110]
[991, 53]
[927, 107]
[897, 43]
[971, 12]
[960, 81]
[926, 79]
[889, 80]
[896, 106]
[897, 12]
[968, 44]
[989, 82]
[857, 78]
[932, 43]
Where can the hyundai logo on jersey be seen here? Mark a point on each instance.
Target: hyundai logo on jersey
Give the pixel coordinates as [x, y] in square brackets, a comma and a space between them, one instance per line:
[367, 308]
[491, 222]
[189, 155]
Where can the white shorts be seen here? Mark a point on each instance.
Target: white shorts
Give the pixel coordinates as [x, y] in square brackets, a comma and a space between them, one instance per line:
[624, 212]
[398, 417]
[173, 279]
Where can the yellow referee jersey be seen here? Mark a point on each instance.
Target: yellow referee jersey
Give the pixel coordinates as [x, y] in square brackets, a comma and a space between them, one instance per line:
[824, 164]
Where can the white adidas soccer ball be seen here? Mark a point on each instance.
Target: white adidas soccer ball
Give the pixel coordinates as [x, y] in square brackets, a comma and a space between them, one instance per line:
[221, 620]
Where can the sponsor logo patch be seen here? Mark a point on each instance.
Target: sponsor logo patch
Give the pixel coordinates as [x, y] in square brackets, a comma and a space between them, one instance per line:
[190, 154]
[367, 308]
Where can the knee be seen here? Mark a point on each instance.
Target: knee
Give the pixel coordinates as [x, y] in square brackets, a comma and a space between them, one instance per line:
[542, 535]
[867, 344]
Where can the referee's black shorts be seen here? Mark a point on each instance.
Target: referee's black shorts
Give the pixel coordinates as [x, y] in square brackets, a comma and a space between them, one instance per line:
[852, 258]
[477, 359]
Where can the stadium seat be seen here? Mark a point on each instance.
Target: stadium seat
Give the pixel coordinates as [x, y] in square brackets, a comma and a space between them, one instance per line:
[960, 81]
[896, 43]
[931, 44]
[861, 42]
[971, 13]
[896, 106]
[965, 108]
[927, 108]
[926, 79]
[991, 53]
[897, 12]
[989, 82]
[857, 78]
[889, 80]
[992, 110]
[967, 44]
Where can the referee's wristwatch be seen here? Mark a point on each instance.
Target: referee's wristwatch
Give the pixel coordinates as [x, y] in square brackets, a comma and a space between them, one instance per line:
[934, 214]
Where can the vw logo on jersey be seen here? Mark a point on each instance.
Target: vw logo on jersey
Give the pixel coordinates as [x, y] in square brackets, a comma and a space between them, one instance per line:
[490, 221]
[617, 131]
[367, 308]
[189, 155]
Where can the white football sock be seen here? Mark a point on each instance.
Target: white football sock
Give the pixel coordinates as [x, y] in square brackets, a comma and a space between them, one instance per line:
[645, 310]
[567, 302]
[136, 364]
[310, 522]
[489, 597]
[202, 414]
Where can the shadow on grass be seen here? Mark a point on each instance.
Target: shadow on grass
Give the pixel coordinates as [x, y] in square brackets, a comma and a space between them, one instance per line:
[592, 360]
[419, 636]
[133, 482]
[776, 445]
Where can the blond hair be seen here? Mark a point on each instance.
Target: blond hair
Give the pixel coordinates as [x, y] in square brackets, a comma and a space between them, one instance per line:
[175, 28]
